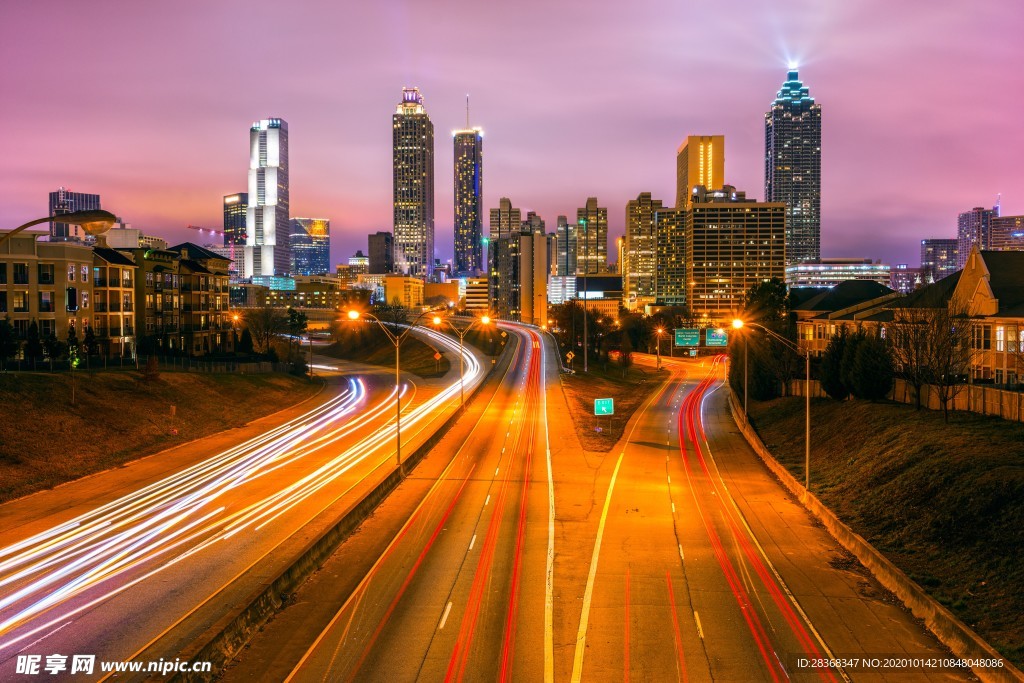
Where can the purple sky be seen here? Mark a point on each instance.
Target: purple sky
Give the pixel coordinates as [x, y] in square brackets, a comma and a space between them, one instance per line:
[149, 104]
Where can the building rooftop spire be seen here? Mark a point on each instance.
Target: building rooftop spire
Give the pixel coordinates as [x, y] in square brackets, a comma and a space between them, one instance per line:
[793, 90]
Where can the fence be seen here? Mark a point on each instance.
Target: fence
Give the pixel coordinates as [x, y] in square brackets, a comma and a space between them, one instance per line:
[164, 364]
[975, 398]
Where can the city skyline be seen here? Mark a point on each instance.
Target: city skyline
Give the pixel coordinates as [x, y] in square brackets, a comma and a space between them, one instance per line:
[641, 103]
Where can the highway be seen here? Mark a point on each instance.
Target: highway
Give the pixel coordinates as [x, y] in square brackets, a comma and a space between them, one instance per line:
[112, 574]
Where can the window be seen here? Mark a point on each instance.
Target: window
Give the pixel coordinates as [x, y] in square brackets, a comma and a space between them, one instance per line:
[126, 277]
[46, 273]
[47, 328]
[85, 273]
[20, 328]
[46, 302]
[999, 376]
[3, 273]
[85, 299]
[3, 302]
[71, 272]
[20, 273]
[149, 279]
[1000, 340]
[20, 301]
[72, 298]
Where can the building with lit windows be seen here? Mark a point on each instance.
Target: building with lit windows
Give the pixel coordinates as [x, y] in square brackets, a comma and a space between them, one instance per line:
[700, 160]
[973, 227]
[829, 272]
[938, 258]
[404, 290]
[413, 178]
[670, 257]
[638, 261]
[66, 201]
[905, 279]
[469, 197]
[519, 277]
[359, 263]
[311, 246]
[267, 226]
[236, 208]
[592, 239]
[204, 298]
[792, 166]
[732, 244]
[565, 240]
[381, 248]
[113, 283]
[1007, 233]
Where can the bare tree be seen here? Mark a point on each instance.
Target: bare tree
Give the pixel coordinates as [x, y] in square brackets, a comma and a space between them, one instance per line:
[1015, 350]
[265, 324]
[951, 350]
[910, 335]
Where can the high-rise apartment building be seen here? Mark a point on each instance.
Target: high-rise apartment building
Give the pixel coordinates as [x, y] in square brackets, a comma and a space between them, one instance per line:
[505, 220]
[973, 227]
[66, 201]
[1007, 233]
[792, 166]
[413, 173]
[670, 270]
[267, 225]
[519, 277]
[637, 263]
[938, 259]
[592, 239]
[732, 244]
[469, 207]
[533, 223]
[311, 246]
[236, 207]
[700, 160]
[565, 235]
[381, 250]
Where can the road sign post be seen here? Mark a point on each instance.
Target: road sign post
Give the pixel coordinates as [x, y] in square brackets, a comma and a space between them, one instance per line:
[687, 336]
[717, 338]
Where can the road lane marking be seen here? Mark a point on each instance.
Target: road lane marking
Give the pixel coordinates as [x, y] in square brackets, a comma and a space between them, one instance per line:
[673, 508]
[496, 471]
[696, 618]
[488, 500]
[448, 609]
[681, 553]
[677, 636]
[472, 542]
[549, 577]
[625, 647]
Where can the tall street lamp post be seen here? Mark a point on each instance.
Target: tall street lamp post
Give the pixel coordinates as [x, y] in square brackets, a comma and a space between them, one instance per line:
[660, 331]
[395, 339]
[93, 221]
[739, 324]
[461, 332]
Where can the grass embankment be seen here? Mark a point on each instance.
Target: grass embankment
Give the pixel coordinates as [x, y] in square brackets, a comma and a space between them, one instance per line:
[945, 502]
[629, 392]
[366, 344]
[118, 416]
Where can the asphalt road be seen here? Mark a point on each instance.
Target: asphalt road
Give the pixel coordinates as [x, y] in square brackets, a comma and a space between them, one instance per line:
[110, 573]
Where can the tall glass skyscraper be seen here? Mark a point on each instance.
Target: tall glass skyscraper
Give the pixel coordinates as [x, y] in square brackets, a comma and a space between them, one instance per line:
[66, 201]
[267, 251]
[638, 266]
[469, 145]
[592, 239]
[792, 166]
[413, 167]
[311, 246]
[235, 208]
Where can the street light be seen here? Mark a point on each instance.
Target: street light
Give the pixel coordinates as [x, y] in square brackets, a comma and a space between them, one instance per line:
[395, 339]
[93, 221]
[660, 331]
[461, 332]
[739, 324]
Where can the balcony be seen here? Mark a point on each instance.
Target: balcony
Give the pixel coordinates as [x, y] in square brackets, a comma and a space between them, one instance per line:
[101, 306]
[128, 307]
[99, 282]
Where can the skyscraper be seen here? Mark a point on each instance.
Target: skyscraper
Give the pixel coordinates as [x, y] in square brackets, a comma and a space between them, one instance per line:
[592, 239]
[382, 252]
[973, 227]
[413, 168]
[505, 220]
[1007, 233]
[792, 166]
[66, 201]
[235, 208]
[311, 246]
[700, 160]
[637, 263]
[534, 223]
[670, 273]
[938, 259]
[469, 144]
[565, 234]
[267, 226]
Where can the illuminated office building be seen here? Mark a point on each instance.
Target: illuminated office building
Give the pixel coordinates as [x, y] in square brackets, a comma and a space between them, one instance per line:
[637, 261]
[267, 252]
[469, 206]
[973, 227]
[938, 258]
[413, 175]
[235, 208]
[700, 160]
[311, 246]
[592, 239]
[1007, 233]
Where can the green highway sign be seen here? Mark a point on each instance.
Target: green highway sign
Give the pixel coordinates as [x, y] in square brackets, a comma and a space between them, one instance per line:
[693, 353]
[604, 406]
[688, 336]
[715, 338]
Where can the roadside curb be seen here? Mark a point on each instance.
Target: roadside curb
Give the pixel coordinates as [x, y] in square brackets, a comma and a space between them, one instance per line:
[952, 632]
[220, 643]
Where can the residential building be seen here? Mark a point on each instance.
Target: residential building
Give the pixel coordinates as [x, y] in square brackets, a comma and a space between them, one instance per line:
[124, 236]
[973, 227]
[113, 284]
[592, 239]
[469, 200]
[311, 246]
[66, 201]
[638, 260]
[792, 166]
[670, 257]
[565, 235]
[850, 304]
[938, 258]
[829, 272]
[505, 220]
[1007, 233]
[905, 279]
[732, 244]
[381, 252]
[267, 228]
[49, 282]
[533, 223]
[205, 299]
[519, 277]
[157, 300]
[477, 294]
[405, 290]
[413, 174]
[236, 208]
[700, 160]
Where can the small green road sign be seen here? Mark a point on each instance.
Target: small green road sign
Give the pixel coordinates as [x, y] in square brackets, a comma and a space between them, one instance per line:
[687, 337]
[604, 406]
[715, 338]
[693, 353]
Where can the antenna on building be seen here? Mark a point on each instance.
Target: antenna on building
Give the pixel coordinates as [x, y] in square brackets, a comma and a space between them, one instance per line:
[467, 111]
[998, 207]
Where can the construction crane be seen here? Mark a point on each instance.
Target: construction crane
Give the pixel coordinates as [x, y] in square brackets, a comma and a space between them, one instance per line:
[231, 238]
